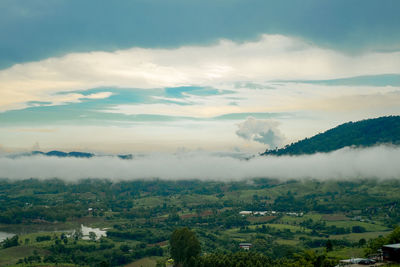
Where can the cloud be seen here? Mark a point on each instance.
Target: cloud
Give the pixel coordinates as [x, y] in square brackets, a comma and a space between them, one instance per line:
[33, 30]
[346, 103]
[208, 110]
[100, 95]
[262, 131]
[376, 162]
[272, 57]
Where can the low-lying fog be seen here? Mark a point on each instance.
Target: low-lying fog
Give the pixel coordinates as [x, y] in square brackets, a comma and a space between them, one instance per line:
[376, 162]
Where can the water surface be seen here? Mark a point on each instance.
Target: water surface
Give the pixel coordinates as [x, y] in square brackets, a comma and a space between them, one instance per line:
[4, 235]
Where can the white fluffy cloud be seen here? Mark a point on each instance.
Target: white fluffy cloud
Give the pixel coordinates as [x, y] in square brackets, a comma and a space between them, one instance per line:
[262, 131]
[271, 57]
[376, 162]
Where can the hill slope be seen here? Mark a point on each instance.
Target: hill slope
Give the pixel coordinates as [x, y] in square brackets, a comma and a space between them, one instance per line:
[73, 154]
[62, 154]
[383, 130]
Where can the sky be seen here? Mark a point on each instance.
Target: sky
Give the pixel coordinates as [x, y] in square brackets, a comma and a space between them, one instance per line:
[178, 75]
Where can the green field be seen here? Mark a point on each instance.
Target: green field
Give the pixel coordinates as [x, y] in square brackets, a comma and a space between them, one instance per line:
[10, 256]
[145, 262]
[368, 226]
[357, 236]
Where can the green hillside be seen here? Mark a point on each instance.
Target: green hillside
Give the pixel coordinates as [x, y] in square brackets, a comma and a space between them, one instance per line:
[365, 133]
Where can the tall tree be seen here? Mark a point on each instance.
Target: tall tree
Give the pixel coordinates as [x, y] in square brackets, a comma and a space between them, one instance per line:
[329, 245]
[185, 246]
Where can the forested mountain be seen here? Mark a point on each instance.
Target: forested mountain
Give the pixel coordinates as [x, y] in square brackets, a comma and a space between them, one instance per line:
[62, 154]
[365, 133]
[73, 154]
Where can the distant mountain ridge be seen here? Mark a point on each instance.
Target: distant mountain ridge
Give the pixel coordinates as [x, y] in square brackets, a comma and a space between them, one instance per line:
[62, 154]
[365, 133]
[74, 154]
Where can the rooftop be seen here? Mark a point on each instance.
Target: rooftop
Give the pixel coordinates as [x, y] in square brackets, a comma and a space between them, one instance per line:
[392, 246]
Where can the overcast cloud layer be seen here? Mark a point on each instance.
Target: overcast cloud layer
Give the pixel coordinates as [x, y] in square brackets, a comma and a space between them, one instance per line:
[377, 162]
[272, 57]
[36, 29]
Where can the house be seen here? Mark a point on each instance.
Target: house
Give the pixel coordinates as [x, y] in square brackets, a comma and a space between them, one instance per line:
[261, 213]
[356, 262]
[245, 246]
[391, 252]
[245, 212]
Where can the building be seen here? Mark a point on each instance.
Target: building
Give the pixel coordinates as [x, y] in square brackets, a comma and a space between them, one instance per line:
[245, 212]
[356, 262]
[245, 246]
[391, 252]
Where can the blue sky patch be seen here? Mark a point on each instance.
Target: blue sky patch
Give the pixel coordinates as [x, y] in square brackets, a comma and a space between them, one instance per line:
[182, 92]
[91, 111]
[369, 80]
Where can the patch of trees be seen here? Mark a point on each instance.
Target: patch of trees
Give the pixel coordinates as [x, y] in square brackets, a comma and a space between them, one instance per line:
[11, 242]
[234, 259]
[328, 243]
[185, 250]
[358, 229]
[82, 253]
[374, 245]
[143, 235]
[185, 247]
[320, 226]
[306, 258]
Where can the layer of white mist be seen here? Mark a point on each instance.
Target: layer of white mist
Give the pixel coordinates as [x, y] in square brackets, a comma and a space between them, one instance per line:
[376, 162]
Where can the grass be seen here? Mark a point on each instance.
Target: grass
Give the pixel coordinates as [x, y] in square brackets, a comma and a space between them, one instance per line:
[149, 201]
[32, 238]
[346, 253]
[45, 265]
[335, 217]
[12, 255]
[31, 228]
[293, 219]
[355, 237]
[234, 232]
[368, 226]
[144, 262]
[292, 228]
[312, 216]
[260, 219]
[287, 242]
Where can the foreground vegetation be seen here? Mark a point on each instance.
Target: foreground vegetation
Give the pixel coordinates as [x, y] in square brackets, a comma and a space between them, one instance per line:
[288, 223]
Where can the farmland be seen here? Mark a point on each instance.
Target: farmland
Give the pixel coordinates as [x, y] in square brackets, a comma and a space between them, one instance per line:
[282, 218]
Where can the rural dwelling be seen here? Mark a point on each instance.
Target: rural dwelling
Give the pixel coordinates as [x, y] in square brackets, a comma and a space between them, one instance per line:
[245, 246]
[245, 212]
[391, 252]
[356, 262]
